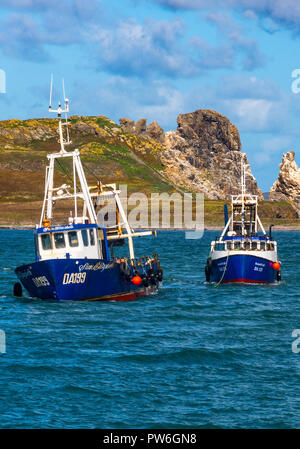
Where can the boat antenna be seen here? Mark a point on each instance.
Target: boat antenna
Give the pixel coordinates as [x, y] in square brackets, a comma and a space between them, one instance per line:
[66, 100]
[63, 141]
[51, 87]
[243, 185]
[63, 86]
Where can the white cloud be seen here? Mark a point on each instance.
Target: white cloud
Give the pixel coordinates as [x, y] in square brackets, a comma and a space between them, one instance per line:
[270, 149]
[233, 33]
[133, 98]
[211, 57]
[252, 114]
[131, 48]
[283, 12]
[276, 144]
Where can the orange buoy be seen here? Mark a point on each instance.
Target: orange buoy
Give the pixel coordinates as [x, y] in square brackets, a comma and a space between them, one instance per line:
[276, 265]
[136, 280]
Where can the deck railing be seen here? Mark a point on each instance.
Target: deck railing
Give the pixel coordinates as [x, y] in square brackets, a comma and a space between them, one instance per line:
[243, 245]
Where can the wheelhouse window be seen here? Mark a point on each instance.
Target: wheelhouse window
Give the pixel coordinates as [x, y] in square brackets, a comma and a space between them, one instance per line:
[92, 237]
[59, 240]
[73, 239]
[254, 245]
[247, 245]
[84, 236]
[237, 245]
[46, 241]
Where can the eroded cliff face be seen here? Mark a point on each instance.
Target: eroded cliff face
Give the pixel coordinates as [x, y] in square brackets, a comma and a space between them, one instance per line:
[287, 186]
[140, 129]
[202, 155]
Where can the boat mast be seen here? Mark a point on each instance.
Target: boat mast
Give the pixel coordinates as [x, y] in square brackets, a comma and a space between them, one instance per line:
[51, 193]
[245, 199]
[59, 112]
[243, 195]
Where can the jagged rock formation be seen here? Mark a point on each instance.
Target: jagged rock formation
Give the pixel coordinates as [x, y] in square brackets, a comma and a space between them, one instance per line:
[156, 132]
[287, 186]
[140, 129]
[204, 154]
[128, 126]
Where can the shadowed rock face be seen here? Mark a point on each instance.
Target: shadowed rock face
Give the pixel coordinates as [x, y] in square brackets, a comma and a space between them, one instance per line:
[204, 154]
[207, 130]
[287, 186]
[140, 129]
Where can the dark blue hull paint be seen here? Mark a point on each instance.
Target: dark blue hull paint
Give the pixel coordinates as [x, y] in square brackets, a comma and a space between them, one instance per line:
[243, 268]
[80, 279]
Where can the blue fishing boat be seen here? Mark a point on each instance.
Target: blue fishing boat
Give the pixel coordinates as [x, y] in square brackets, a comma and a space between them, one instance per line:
[244, 253]
[75, 260]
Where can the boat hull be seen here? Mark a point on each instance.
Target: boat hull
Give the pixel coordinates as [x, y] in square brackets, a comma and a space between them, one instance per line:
[242, 268]
[83, 279]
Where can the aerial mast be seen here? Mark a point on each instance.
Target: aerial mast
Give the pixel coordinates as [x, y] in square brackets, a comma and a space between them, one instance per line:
[59, 112]
[243, 185]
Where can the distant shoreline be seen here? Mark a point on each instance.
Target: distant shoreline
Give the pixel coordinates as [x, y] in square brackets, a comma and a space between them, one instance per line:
[206, 228]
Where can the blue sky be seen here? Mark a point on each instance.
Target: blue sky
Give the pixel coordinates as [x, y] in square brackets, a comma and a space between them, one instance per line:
[158, 58]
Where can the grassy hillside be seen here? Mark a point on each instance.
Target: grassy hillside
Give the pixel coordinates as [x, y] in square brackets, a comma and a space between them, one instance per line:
[106, 153]
[105, 149]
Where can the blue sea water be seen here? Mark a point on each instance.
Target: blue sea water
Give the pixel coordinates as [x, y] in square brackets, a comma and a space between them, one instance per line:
[191, 356]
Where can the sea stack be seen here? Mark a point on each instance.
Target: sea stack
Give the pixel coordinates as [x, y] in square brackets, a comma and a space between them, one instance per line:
[287, 186]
